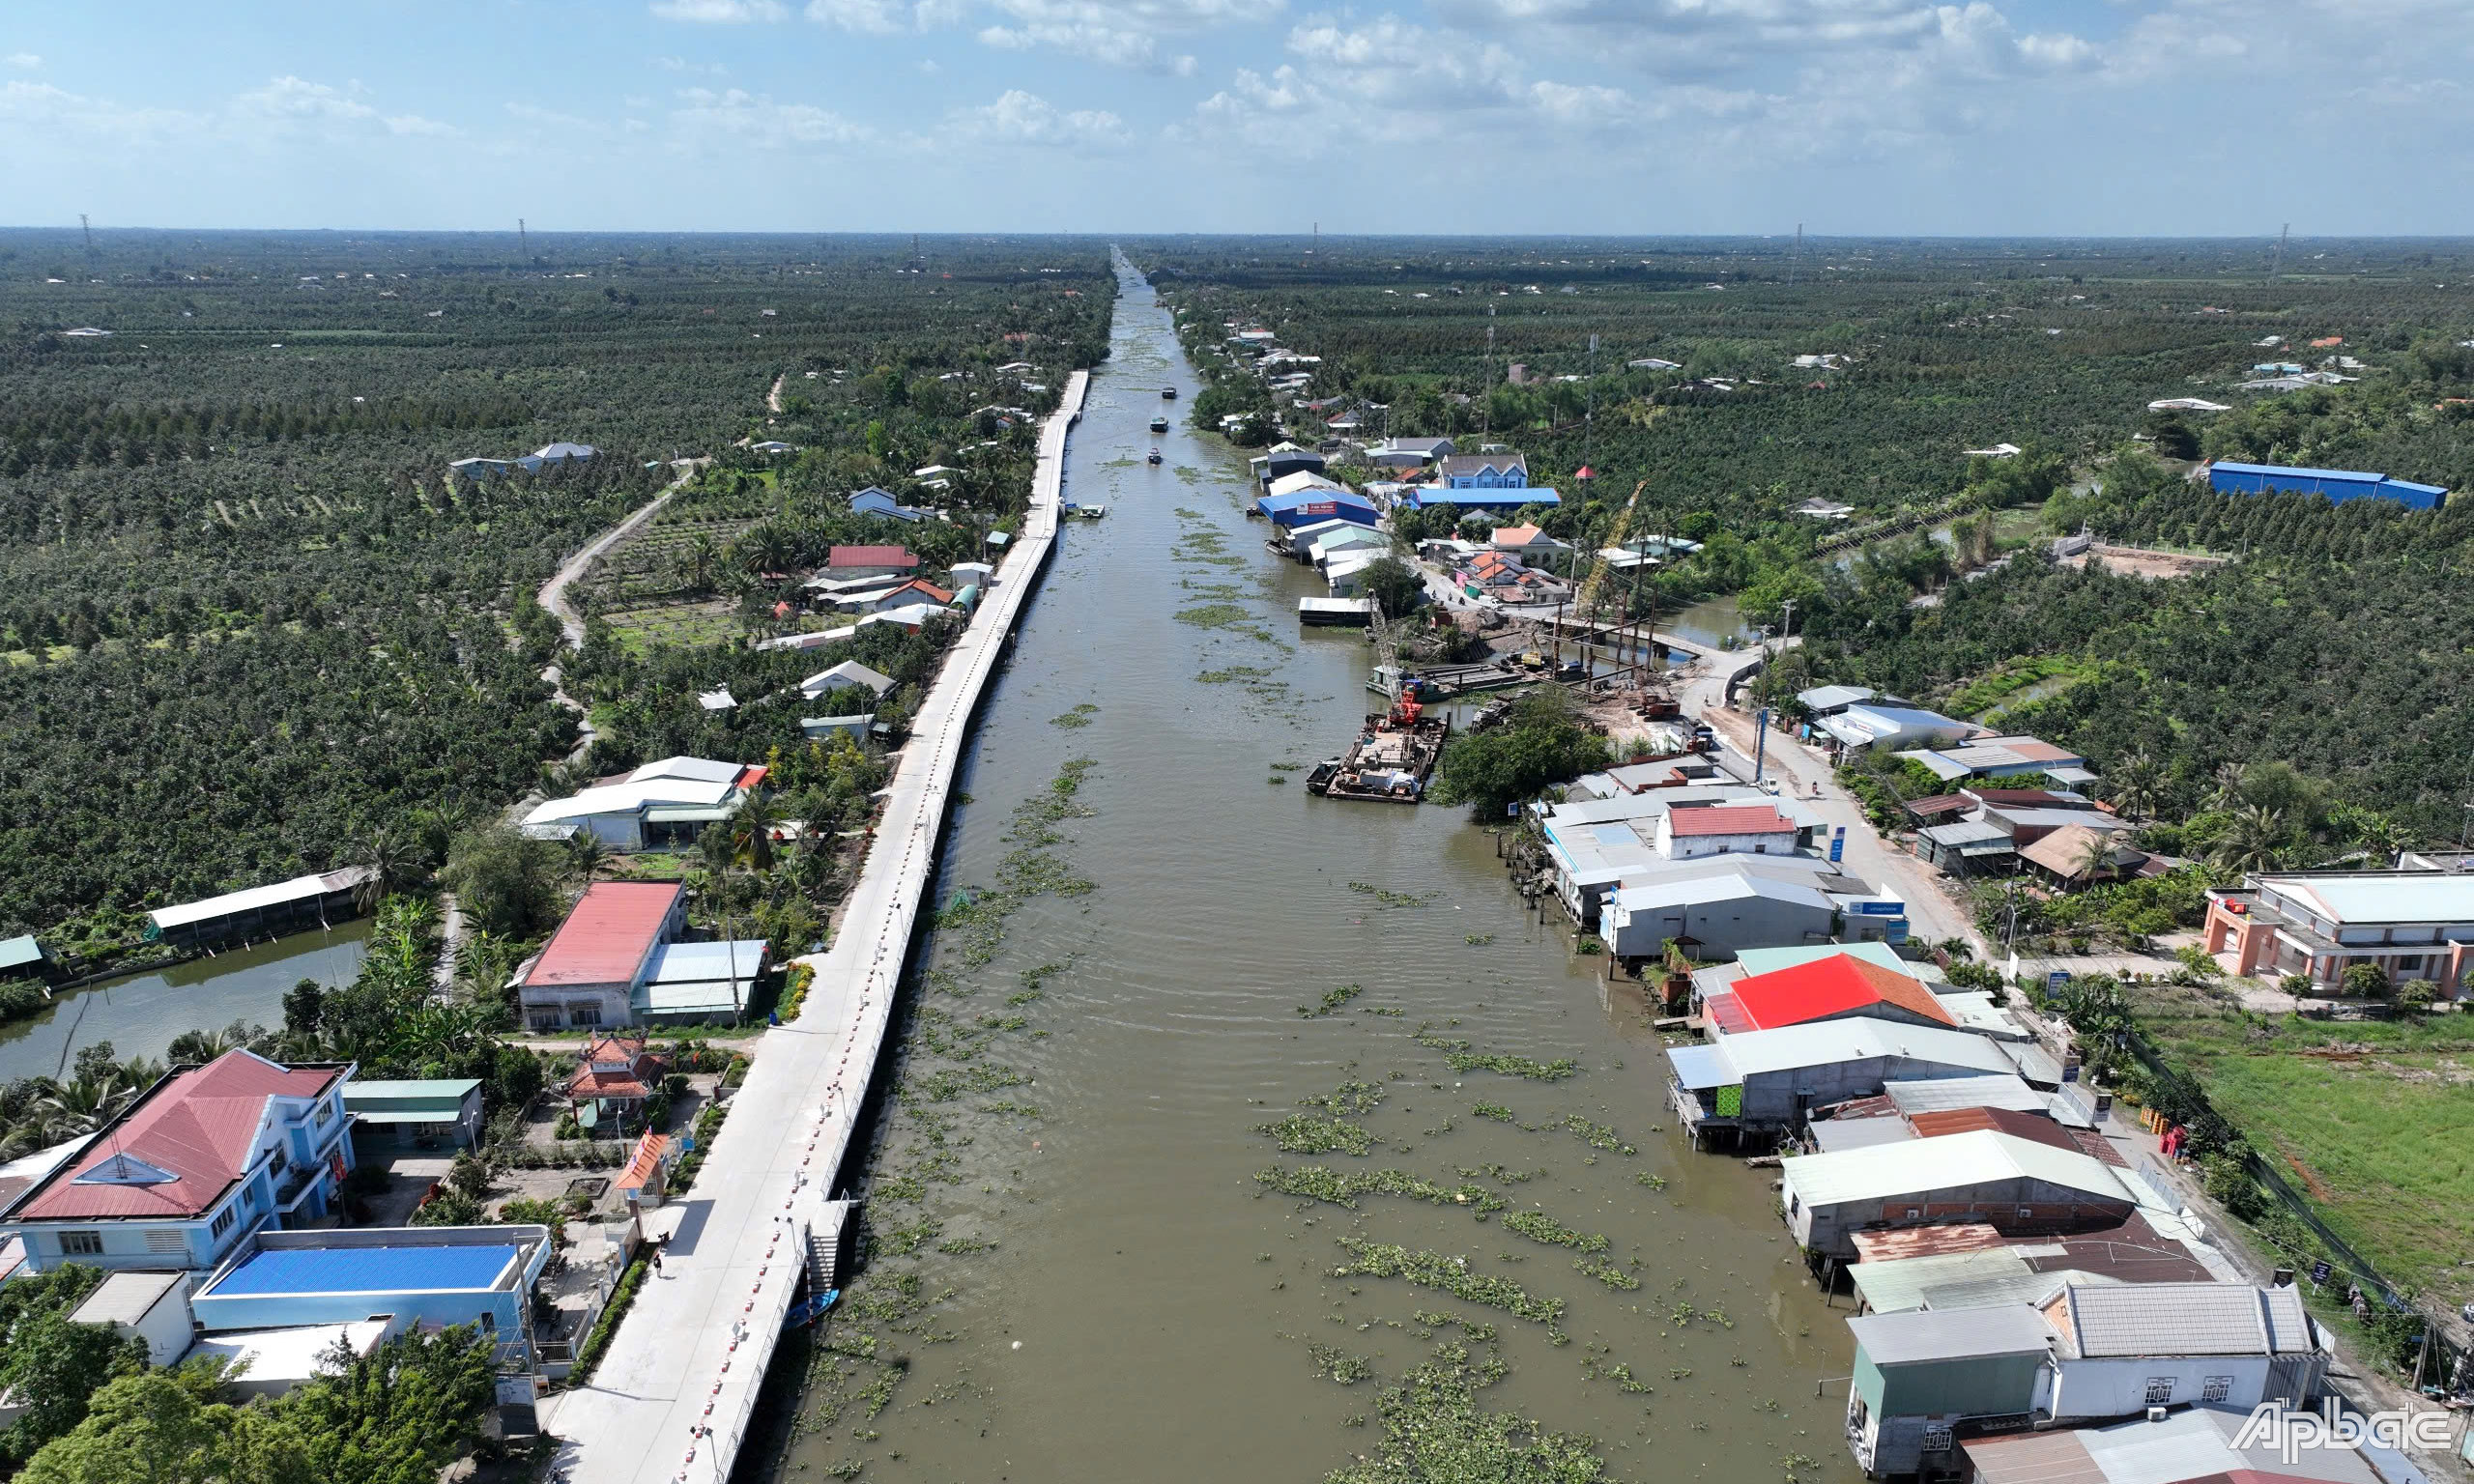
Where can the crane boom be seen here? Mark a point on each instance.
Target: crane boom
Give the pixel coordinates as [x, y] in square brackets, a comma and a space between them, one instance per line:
[1591, 587]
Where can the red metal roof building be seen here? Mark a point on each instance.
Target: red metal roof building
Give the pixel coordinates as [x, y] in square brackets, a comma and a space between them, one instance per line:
[589, 972]
[863, 560]
[1831, 988]
[1731, 820]
[203, 1158]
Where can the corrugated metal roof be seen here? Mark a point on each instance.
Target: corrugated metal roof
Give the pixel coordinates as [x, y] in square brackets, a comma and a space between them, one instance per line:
[1950, 1334]
[1824, 1042]
[126, 1298]
[1936, 1094]
[1832, 986]
[257, 898]
[1699, 1067]
[1898, 1285]
[2385, 898]
[199, 1128]
[1954, 1163]
[1769, 960]
[1836, 1134]
[677, 962]
[1729, 886]
[1730, 820]
[2186, 1318]
[608, 936]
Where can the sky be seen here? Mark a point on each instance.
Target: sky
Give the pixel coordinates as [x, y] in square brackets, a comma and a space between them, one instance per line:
[1851, 117]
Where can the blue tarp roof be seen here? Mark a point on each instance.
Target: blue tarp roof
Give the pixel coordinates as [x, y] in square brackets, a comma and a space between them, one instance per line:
[1700, 1067]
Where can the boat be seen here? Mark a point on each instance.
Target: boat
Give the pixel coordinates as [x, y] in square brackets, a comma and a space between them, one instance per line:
[1168, 393]
[809, 1309]
[1158, 424]
[1155, 455]
[1391, 760]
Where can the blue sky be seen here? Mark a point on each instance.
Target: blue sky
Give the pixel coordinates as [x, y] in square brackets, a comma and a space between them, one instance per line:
[2091, 117]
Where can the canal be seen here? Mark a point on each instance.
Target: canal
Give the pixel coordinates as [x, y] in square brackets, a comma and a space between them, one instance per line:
[1075, 1272]
[141, 1013]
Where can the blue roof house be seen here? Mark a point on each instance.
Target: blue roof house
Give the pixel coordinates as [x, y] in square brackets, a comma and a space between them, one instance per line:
[875, 501]
[1485, 471]
[430, 1276]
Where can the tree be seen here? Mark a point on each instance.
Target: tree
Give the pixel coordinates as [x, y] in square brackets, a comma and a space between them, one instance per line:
[698, 560]
[2366, 980]
[1392, 583]
[2095, 857]
[51, 1364]
[2254, 841]
[302, 1005]
[588, 855]
[506, 880]
[1539, 743]
[750, 834]
[2134, 784]
[393, 860]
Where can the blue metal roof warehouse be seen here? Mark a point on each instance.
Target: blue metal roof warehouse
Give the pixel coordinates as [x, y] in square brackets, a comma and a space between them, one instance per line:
[2228, 478]
[1306, 506]
[1482, 498]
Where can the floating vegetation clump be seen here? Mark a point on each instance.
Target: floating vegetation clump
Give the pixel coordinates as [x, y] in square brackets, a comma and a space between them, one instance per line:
[1343, 1188]
[1450, 1274]
[1653, 1181]
[1346, 1099]
[1478, 939]
[1605, 1273]
[1338, 1364]
[1235, 674]
[1333, 999]
[1494, 1110]
[1079, 716]
[1595, 1135]
[1033, 867]
[1538, 1226]
[1386, 896]
[1434, 1428]
[1463, 1058]
[1213, 616]
[1304, 1134]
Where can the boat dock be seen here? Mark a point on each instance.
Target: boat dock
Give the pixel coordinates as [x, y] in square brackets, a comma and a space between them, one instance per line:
[1336, 613]
[1444, 682]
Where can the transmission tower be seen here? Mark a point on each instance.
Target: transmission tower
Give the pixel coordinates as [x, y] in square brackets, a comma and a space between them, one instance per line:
[2277, 269]
[523, 242]
[88, 228]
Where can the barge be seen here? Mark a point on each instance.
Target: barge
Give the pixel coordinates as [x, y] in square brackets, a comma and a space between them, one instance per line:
[1391, 760]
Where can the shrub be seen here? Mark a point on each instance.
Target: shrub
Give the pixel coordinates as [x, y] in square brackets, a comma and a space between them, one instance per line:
[2366, 981]
[2231, 1187]
[2296, 984]
[2417, 994]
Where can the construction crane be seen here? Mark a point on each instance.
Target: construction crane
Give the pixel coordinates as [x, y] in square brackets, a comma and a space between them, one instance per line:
[1586, 602]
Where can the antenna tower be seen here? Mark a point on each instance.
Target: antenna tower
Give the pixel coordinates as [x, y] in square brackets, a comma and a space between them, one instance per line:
[87, 227]
[1316, 246]
[2278, 267]
[523, 242]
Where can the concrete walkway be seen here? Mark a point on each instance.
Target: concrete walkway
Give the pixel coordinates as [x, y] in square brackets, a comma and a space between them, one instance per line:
[672, 1397]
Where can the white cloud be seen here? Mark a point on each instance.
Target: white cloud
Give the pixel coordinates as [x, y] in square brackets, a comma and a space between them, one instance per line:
[748, 117]
[533, 114]
[1120, 33]
[294, 103]
[720, 12]
[24, 61]
[1029, 119]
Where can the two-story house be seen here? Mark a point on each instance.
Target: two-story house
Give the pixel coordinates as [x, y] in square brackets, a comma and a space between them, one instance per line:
[1485, 472]
[200, 1160]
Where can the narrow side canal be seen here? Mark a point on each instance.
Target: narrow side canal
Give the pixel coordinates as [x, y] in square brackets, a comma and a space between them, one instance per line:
[1080, 1266]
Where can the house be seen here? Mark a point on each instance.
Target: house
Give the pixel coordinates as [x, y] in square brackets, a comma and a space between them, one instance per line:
[1769, 1081]
[817, 728]
[1529, 544]
[1307, 507]
[152, 1307]
[875, 501]
[717, 700]
[2001, 757]
[1491, 470]
[1754, 829]
[202, 1159]
[870, 562]
[614, 1077]
[2190, 1359]
[702, 984]
[1470, 499]
[1997, 451]
[2200, 1443]
[421, 1113]
[477, 468]
[970, 574]
[2319, 924]
[1301, 482]
[909, 594]
[660, 804]
[429, 1276]
[588, 972]
[1830, 700]
[2027, 823]
[306, 902]
[2076, 855]
[1409, 452]
[849, 672]
[1721, 908]
[1825, 509]
[910, 618]
[2012, 1183]
[1340, 538]
[270, 1362]
[1593, 844]
[772, 447]
[1829, 986]
[2185, 405]
[1284, 459]
[1653, 364]
[1868, 725]
[1711, 980]
[561, 453]
[2228, 478]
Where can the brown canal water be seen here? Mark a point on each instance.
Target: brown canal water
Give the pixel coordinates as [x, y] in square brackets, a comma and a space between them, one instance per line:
[1073, 1271]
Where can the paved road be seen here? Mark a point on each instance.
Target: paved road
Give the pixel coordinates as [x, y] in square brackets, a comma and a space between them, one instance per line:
[1931, 913]
[553, 594]
[673, 1396]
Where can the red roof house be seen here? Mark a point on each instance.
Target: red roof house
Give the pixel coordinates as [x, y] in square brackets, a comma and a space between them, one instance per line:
[1730, 820]
[1833, 988]
[599, 957]
[870, 562]
[204, 1155]
[616, 1069]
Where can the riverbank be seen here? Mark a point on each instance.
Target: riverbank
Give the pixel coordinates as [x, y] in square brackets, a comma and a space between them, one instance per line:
[1074, 1268]
[679, 1381]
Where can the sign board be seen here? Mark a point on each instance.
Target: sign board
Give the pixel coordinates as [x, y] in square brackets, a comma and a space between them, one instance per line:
[1319, 507]
[1837, 845]
[1511, 811]
[2320, 1273]
[2055, 980]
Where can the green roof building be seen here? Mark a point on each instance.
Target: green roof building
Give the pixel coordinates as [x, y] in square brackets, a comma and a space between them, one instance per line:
[444, 1112]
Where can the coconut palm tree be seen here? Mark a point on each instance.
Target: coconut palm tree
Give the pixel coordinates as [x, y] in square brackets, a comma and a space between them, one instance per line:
[697, 562]
[587, 854]
[2095, 857]
[2134, 784]
[2228, 787]
[81, 1104]
[751, 833]
[394, 864]
[2254, 843]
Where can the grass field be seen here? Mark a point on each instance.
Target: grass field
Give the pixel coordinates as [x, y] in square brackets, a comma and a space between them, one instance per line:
[2374, 1120]
[710, 622]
